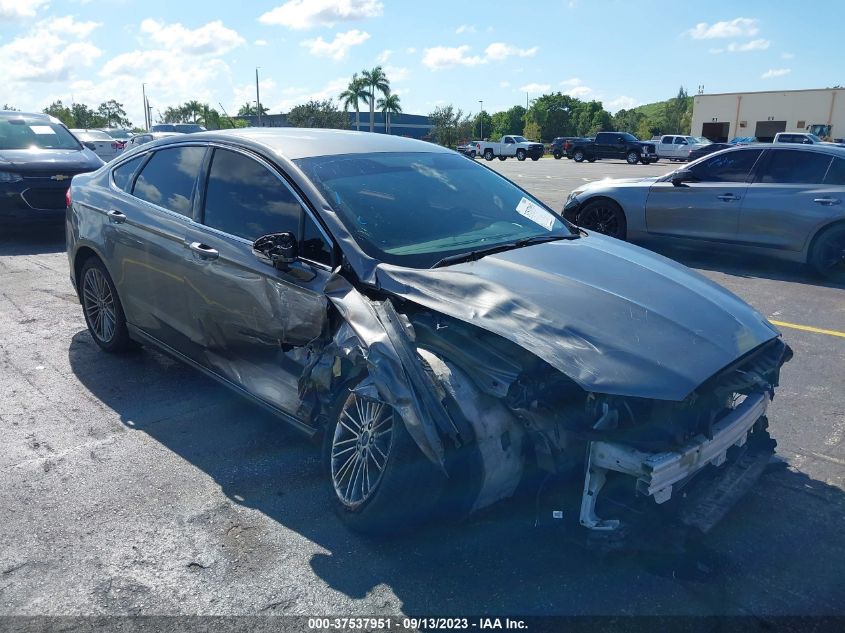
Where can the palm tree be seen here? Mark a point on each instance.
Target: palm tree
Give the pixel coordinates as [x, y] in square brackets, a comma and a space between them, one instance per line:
[375, 79]
[193, 109]
[355, 93]
[389, 105]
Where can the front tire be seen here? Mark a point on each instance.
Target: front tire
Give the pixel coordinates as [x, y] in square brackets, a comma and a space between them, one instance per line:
[520, 154]
[603, 216]
[102, 308]
[379, 481]
[632, 157]
[827, 256]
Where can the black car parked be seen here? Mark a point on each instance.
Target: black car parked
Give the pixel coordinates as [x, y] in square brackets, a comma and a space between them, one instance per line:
[38, 158]
[614, 145]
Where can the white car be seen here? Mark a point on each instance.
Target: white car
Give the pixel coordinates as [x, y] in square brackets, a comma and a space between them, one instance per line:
[510, 145]
[100, 143]
[675, 146]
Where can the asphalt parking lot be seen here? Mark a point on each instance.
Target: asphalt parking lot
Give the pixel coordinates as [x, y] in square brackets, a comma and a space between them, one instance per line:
[134, 485]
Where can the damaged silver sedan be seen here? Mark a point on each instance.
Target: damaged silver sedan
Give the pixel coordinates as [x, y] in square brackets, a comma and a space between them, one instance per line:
[446, 333]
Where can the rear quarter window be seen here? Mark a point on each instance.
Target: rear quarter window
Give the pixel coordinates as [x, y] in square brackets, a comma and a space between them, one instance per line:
[122, 175]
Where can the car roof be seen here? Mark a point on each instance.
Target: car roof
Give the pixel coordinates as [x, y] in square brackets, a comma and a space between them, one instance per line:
[294, 143]
[14, 114]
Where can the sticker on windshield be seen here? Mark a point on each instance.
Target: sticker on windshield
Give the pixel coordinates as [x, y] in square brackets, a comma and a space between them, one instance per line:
[42, 129]
[535, 213]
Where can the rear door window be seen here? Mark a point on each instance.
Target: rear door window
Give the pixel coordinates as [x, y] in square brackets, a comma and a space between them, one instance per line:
[728, 167]
[168, 179]
[794, 167]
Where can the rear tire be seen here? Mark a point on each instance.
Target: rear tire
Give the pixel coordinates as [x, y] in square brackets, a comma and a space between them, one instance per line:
[557, 155]
[488, 154]
[503, 157]
[827, 256]
[520, 155]
[535, 158]
[102, 308]
[380, 483]
[603, 216]
[578, 156]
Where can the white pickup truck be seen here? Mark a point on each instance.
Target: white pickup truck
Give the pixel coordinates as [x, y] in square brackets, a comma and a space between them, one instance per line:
[510, 145]
[675, 146]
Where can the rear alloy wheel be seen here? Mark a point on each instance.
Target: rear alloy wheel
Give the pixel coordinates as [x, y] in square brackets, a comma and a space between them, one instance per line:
[488, 154]
[603, 216]
[632, 157]
[828, 254]
[380, 480]
[472, 154]
[578, 156]
[102, 309]
[520, 154]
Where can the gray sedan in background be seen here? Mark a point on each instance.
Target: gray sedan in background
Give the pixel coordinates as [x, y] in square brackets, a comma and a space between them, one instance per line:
[785, 201]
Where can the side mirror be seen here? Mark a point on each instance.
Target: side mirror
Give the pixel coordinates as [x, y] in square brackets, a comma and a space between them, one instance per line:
[681, 176]
[279, 250]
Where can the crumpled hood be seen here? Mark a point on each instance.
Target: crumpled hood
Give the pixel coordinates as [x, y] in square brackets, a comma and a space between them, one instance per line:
[613, 317]
[44, 159]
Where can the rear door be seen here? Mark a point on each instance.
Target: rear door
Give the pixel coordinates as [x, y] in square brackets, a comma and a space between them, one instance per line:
[165, 191]
[789, 198]
[250, 323]
[707, 208]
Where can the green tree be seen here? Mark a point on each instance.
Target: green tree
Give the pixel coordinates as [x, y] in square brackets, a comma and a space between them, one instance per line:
[9, 108]
[86, 118]
[325, 114]
[113, 114]
[449, 125]
[388, 105]
[249, 109]
[61, 112]
[376, 81]
[193, 109]
[532, 130]
[508, 122]
[355, 94]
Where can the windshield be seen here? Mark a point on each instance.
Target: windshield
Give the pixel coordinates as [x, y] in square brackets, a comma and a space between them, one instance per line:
[700, 140]
[630, 137]
[519, 139]
[414, 209]
[188, 128]
[815, 138]
[119, 134]
[28, 133]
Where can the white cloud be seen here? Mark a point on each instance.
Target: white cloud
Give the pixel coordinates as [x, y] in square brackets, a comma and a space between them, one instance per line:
[738, 27]
[338, 48]
[306, 14]
[465, 28]
[579, 92]
[499, 50]
[441, 57]
[621, 103]
[535, 88]
[787, 56]
[210, 39]
[775, 72]
[17, 9]
[260, 42]
[396, 73]
[50, 51]
[575, 81]
[384, 56]
[753, 45]
[504, 84]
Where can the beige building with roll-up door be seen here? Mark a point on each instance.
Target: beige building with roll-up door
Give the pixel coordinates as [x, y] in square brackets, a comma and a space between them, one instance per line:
[721, 117]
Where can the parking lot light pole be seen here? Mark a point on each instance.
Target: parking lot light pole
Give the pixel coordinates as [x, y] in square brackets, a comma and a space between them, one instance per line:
[257, 97]
[146, 112]
[481, 118]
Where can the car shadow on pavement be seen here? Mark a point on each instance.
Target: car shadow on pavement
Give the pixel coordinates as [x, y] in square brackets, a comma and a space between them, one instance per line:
[32, 240]
[495, 563]
[743, 265]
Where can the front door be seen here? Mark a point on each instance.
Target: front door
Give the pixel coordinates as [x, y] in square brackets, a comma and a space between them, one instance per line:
[706, 208]
[251, 322]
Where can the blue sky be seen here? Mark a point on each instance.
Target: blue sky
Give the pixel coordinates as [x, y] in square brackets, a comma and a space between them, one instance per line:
[621, 52]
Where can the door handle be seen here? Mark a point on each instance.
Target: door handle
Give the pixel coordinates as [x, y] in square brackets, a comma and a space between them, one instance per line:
[728, 197]
[116, 217]
[203, 250]
[827, 201]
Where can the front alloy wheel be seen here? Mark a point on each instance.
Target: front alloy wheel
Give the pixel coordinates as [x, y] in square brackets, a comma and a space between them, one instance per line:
[361, 446]
[603, 216]
[828, 254]
[632, 158]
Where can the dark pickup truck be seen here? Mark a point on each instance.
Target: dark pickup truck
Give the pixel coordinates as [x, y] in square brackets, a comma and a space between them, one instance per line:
[615, 145]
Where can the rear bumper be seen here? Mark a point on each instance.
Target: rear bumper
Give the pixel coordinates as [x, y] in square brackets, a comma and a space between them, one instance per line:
[658, 475]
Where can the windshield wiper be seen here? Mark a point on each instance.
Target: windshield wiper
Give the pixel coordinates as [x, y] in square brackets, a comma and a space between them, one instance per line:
[478, 253]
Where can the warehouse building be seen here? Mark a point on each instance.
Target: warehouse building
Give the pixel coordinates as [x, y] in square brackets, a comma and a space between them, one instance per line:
[721, 117]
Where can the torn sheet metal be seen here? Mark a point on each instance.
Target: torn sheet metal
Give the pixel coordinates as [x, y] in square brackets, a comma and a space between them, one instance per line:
[377, 327]
[613, 317]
